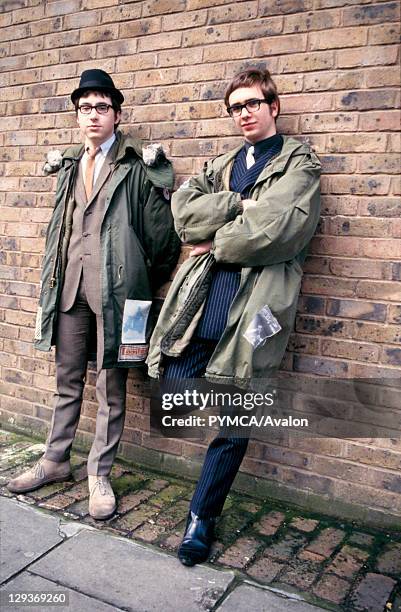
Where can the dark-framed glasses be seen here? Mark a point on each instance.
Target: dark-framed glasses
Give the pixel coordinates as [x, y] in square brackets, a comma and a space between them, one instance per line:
[251, 106]
[102, 108]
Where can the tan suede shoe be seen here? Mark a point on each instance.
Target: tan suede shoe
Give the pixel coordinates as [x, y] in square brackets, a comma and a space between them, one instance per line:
[40, 474]
[102, 502]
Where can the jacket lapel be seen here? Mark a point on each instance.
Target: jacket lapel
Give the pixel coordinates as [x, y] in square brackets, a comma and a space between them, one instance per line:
[80, 193]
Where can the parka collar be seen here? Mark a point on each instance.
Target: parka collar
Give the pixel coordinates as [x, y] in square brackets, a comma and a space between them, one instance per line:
[291, 147]
[160, 175]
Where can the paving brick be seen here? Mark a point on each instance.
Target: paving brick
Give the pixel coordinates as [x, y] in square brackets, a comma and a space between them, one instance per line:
[157, 484]
[172, 541]
[135, 518]
[48, 490]
[168, 495]
[265, 569]
[80, 509]
[372, 593]
[240, 554]
[127, 483]
[132, 500]
[270, 523]
[347, 562]
[58, 502]
[331, 588]
[389, 561]
[173, 515]
[285, 548]
[326, 541]
[149, 532]
[231, 524]
[300, 574]
[303, 524]
[361, 539]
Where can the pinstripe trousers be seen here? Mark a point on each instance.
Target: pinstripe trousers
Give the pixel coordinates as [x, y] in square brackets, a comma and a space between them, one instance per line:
[225, 454]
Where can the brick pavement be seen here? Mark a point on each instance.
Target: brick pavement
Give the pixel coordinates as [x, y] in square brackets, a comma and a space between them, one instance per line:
[338, 565]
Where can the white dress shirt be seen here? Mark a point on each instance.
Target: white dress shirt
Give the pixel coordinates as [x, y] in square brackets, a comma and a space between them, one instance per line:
[100, 157]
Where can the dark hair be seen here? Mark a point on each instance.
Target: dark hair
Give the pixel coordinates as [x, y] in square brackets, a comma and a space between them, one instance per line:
[255, 76]
[114, 102]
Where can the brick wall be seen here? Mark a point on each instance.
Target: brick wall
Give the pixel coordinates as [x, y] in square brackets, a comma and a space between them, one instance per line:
[336, 65]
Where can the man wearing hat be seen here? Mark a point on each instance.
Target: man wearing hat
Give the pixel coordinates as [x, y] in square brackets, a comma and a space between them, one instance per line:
[110, 243]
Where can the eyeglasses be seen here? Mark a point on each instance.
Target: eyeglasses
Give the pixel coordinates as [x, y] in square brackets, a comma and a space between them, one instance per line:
[101, 108]
[251, 106]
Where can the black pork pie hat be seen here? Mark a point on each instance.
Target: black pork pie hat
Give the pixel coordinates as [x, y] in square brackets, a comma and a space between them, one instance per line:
[97, 80]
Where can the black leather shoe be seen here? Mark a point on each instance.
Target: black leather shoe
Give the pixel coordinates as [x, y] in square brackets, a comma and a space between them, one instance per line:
[198, 538]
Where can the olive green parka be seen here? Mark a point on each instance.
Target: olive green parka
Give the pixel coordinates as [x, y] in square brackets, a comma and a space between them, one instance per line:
[268, 240]
[139, 247]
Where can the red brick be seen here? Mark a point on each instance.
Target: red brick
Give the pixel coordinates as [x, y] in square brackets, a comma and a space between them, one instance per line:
[379, 207]
[382, 290]
[241, 553]
[265, 569]
[372, 593]
[306, 525]
[270, 523]
[300, 574]
[388, 163]
[331, 588]
[326, 542]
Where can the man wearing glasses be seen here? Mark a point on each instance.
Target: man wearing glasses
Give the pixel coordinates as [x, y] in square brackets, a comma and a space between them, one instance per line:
[231, 307]
[110, 244]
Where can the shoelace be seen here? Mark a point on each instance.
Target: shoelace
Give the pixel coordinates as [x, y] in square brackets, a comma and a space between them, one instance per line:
[104, 487]
[38, 470]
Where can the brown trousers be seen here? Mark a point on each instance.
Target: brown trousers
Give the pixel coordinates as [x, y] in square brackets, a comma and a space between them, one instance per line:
[72, 351]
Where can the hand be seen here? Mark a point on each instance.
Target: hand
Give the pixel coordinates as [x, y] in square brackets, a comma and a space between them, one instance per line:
[201, 248]
[247, 203]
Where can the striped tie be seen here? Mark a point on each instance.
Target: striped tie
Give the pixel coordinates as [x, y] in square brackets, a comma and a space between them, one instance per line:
[250, 160]
[90, 170]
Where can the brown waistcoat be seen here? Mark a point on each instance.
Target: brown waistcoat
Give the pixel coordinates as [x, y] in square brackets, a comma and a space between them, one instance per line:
[83, 256]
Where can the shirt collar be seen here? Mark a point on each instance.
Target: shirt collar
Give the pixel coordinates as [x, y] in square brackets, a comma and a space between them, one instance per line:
[106, 146]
